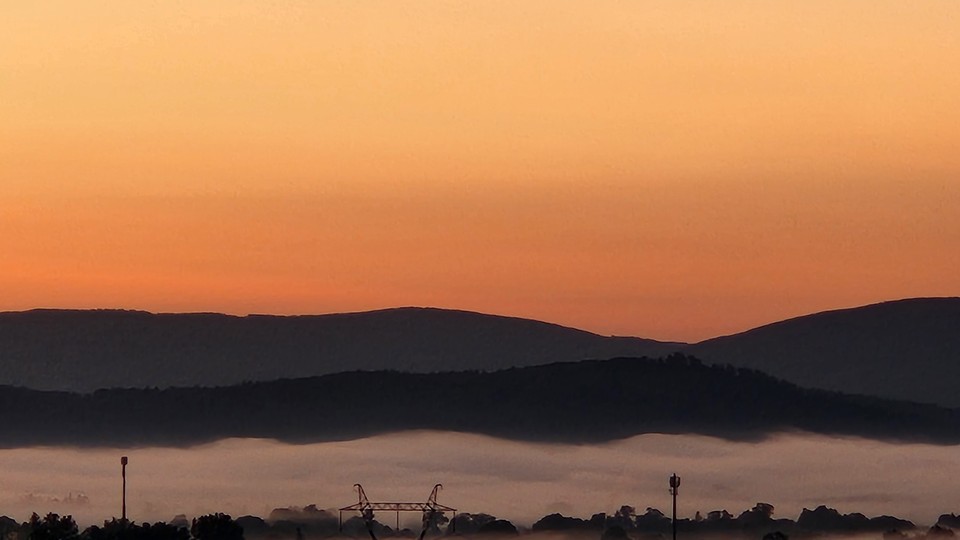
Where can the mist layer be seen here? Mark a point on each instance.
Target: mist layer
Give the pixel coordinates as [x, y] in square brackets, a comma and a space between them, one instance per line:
[512, 480]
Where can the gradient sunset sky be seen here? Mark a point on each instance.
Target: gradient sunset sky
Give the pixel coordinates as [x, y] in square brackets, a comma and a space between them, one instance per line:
[671, 169]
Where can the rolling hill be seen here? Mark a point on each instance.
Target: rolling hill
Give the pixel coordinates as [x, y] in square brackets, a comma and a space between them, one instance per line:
[906, 349]
[577, 402]
[86, 350]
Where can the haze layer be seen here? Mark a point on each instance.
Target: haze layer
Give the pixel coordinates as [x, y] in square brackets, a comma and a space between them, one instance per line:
[517, 481]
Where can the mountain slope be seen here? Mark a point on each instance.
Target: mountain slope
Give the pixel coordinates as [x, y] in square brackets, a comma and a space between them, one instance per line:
[907, 349]
[585, 401]
[87, 350]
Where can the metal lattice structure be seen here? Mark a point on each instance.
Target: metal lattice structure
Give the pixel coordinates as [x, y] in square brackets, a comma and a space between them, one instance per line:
[366, 509]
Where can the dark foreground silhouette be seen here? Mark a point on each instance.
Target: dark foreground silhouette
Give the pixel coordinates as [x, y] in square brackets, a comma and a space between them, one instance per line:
[310, 522]
[576, 402]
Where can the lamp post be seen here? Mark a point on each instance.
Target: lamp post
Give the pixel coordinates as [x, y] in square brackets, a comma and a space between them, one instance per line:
[674, 489]
[123, 474]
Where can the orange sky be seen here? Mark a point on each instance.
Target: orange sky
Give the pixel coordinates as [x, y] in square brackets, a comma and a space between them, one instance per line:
[672, 169]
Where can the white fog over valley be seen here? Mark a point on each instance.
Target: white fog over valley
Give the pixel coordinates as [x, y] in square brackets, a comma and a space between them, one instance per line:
[512, 480]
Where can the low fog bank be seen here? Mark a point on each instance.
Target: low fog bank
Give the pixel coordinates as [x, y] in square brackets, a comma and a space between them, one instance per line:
[515, 481]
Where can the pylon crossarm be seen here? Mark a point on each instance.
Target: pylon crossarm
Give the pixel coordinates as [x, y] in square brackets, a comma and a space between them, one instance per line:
[366, 509]
[398, 507]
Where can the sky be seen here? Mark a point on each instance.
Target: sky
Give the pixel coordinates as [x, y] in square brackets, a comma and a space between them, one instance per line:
[669, 169]
[518, 481]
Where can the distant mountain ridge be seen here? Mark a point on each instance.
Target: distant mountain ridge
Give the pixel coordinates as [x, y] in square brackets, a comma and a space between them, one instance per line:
[77, 350]
[576, 402]
[905, 349]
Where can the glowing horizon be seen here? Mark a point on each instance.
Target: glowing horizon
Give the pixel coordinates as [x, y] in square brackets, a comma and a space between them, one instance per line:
[672, 170]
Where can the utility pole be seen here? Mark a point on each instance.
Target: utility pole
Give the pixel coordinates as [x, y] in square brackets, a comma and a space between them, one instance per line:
[674, 489]
[123, 474]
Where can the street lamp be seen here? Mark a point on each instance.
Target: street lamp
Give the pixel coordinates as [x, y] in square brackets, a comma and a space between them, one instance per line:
[674, 489]
[123, 474]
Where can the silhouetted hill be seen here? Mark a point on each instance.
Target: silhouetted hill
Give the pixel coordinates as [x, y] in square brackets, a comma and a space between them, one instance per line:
[908, 349]
[87, 350]
[571, 402]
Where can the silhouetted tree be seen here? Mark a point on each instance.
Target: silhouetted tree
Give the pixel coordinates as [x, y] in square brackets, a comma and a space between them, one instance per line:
[357, 526]
[559, 522]
[940, 532]
[763, 509]
[760, 514]
[216, 527]
[653, 520]
[165, 531]
[7, 524]
[118, 530]
[51, 527]
[498, 526]
[432, 521]
[466, 523]
[256, 527]
[719, 515]
[9, 528]
[949, 520]
[598, 521]
[615, 532]
[625, 517]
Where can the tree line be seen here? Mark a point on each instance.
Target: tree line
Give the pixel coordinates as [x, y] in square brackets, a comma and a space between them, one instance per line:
[56, 527]
[575, 402]
[626, 522]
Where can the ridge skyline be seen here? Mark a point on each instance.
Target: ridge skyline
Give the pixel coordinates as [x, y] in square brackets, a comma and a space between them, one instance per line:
[411, 307]
[905, 350]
